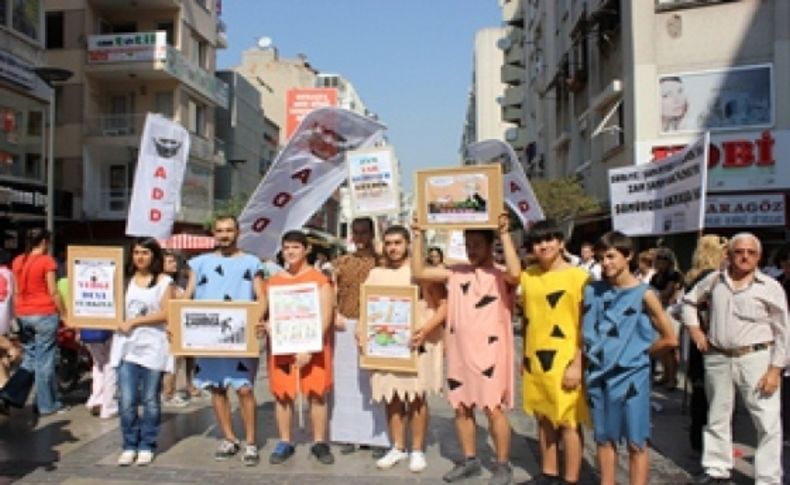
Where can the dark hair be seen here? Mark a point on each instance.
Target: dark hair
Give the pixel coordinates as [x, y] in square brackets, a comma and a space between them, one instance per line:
[363, 220]
[615, 240]
[436, 249]
[545, 230]
[35, 237]
[397, 229]
[157, 261]
[670, 78]
[226, 217]
[488, 234]
[295, 236]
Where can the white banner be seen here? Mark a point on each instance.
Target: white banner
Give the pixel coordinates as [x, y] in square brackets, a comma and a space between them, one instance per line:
[517, 190]
[164, 151]
[372, 182]
[745, 210]
[665, 197]
[310, 167]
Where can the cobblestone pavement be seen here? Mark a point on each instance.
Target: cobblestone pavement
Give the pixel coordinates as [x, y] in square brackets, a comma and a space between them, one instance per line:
[76, 448]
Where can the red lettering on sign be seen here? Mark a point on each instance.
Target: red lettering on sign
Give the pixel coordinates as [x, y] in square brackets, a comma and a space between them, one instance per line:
[302, 175]
[281, 199]
[523, 206]
[765, 149]
[260, 224]
[737, 154]
[157, 193]
[155, 215]
[514, 187]
[160, 173]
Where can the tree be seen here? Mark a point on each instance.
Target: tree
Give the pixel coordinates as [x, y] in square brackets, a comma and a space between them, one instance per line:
[563, 199]
[229, 207]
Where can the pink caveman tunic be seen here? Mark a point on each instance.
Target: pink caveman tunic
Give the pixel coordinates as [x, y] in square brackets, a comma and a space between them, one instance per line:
[479, 338]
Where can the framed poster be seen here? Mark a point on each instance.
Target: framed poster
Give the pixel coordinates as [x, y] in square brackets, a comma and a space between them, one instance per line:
[373, 182]
[295, 319]
[213, 328]
[95, 277]
[460, 198]
[388, 315]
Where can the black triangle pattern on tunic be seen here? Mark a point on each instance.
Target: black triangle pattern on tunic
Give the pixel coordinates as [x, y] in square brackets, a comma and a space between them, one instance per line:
[556, 332]
[219, 271]
[590, 403]
[485, 301]
[629, 311]
[228, 298]
[489, 372]
[240, 367]
[286, 368]
[586, 308]
[453, 384]
[492, 339]
[632, 392]
[465, 286]
[546, 358]
[422, 350]
[613, 332]
[248, 275]
[527, 365]
[203, 280]
[554, 297]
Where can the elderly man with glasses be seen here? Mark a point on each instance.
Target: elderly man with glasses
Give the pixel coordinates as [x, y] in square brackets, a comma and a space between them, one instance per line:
[745, 348]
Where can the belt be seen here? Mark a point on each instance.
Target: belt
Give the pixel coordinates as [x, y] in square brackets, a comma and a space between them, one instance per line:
[741, 351]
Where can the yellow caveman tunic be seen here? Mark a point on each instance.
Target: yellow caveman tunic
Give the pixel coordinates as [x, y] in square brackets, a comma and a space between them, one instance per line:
[552, 307]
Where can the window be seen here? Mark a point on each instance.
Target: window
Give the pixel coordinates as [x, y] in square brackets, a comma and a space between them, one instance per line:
[26, 17]
[124, 28]
[3, 17]
[54, 30]
[198, 52]
[33, 166]
[163, 103]
[167, 27]
[35, 123]
[197, 118]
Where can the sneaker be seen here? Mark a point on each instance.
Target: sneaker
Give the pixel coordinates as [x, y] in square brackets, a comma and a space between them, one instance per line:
[707, 479]
[175, 402]
[250, 456]
[502, 474]
[469, 467]
[322, 453]
[392, 457]
[127, 457]
[281, 452]
[145, 457]
[226, 450]
[544, 479]
[417, 461]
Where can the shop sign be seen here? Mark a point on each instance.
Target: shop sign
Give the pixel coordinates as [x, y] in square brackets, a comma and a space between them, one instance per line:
[132, 47]
[745, 211]
[12, 196]
[16, 70]
[743, 161]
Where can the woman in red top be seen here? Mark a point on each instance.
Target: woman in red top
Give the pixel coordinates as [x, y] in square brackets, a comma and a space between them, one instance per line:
[37, 306]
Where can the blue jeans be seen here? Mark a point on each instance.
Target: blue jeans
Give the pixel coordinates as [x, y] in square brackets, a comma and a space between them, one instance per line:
[38, 334]
[139, 386]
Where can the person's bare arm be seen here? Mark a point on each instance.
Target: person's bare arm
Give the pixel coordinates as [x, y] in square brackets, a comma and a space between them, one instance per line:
[52, 289]
[263, 305]
[512, 262]
[189, 292]
[667, 340]
[438, 318]
[418, 269]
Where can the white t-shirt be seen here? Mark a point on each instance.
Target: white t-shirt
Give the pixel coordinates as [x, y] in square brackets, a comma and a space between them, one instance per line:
[147, 345]
[6, 294]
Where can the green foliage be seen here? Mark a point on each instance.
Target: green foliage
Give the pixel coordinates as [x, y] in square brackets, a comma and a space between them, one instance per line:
[230, 207]
[564, 198]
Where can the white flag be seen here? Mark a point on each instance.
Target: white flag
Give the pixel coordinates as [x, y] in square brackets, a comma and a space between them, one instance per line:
[307, 171]
[164, 151]
[517, 189]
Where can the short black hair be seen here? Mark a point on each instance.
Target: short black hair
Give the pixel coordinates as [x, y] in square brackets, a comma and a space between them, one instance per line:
[398, 229]
[545, 230]
[363, 220]
[488, 234]
[295, 236]
[615, 240]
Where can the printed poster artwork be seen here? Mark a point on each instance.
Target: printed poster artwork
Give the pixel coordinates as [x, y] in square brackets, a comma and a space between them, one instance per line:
[457, 199]
[389, 328]
[214, 329]
[295, 317]
[94, 288]
[372, 182]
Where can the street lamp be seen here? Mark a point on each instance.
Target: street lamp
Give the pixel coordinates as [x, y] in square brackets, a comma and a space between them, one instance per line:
[51, 75]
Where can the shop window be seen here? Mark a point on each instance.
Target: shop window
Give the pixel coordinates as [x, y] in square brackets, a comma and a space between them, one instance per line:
[54, 32]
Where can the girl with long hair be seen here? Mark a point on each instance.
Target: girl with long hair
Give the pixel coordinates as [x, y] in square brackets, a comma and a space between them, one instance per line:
[140, 351]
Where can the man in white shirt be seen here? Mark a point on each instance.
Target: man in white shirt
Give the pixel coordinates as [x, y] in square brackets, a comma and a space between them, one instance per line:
[588, 261]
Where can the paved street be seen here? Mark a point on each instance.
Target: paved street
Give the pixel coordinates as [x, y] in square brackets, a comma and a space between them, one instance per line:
[76, 448]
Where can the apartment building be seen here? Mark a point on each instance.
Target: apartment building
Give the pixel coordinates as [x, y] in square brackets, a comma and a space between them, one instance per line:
[130, 58]
[24, 104]
[610, 83]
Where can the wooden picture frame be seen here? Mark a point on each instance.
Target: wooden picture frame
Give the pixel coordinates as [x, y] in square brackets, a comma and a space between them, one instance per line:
[460, 197]
[295, 318]
[388, 319]
[95, 286]
[213, 328]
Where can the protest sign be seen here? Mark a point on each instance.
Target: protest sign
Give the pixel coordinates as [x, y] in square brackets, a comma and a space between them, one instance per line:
[516, 187]
[295, 318]
[164, 151]
[664, 197]
[310, 167]
[388, 319]
[213, 328]
[95, 276]
[373, 182]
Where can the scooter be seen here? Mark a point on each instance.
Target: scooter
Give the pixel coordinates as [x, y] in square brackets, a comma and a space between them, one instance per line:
[74, 360]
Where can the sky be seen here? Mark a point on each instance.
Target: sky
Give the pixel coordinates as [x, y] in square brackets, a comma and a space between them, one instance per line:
[409, 60]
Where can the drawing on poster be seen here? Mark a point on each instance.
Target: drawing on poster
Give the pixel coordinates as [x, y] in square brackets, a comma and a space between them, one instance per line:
[295, 316]
[214, 329]
[389, 327]
[457, 198]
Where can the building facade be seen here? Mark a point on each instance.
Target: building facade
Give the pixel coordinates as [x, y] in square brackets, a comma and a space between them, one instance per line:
[24, 104]
[157, 57]
[611, 83]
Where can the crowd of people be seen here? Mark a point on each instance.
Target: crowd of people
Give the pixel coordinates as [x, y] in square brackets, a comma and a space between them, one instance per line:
[595, 331]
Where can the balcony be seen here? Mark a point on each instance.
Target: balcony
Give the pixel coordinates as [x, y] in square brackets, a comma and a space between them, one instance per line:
[109, 5]
[114, 126]
[517, 137]
[512, 114]
[146, 55]
[512, 75]
[222, 35]
[513, 12]
[201, 148]
[513, 96]
[515, 55]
